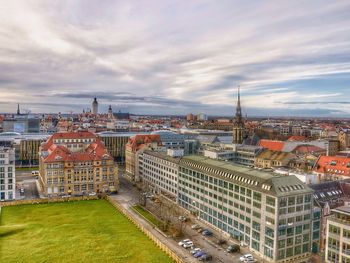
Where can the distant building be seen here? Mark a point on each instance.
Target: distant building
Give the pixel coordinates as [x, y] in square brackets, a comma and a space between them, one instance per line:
[135, 146]
[344, 139]
[76, 163]
[110, 113]
[190, 117]
[269, 159]
[21, 124]
[7, 174]
[171, 140]
[95, 106]
[202, 117]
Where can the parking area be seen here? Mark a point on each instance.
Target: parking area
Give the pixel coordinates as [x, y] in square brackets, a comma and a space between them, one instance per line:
[26, 185]
[203, 238]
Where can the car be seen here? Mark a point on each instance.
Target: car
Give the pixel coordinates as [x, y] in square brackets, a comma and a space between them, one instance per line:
[232, 248]
[188, 244]
[221, 241]
[195, 250]
[205, 257]
[199, 254]
[183, 242]
[92, 194]
[199, 230]
[246, 257]
[207, 232]
[35, 173]
[183, 218]
[195, 227]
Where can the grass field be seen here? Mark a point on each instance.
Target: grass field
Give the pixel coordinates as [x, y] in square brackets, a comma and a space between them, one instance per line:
[151, 218]
[82, 231]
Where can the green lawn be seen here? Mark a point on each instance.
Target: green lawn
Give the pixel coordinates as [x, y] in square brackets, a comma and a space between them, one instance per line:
[82, 231]
[33, 168]
[151, 218]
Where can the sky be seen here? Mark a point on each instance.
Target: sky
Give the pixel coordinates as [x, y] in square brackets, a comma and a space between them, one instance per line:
[290, 58]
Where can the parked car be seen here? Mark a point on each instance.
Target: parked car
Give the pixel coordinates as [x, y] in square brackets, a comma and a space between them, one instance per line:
[183, 218]
[205, 257]
[182, 242]
[246, 257]
[233, 248]
[188, 244]
[199, 254]
[221, 241]
[207, 232]
[195, 250]
[199, 230]
[195, 227]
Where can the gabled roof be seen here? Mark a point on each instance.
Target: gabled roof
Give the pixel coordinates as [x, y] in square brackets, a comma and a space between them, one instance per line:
[272, 145]
[274, 155]
[306, 148]
[51, 152]
[337, 165]
[299, 138]
[137, 142]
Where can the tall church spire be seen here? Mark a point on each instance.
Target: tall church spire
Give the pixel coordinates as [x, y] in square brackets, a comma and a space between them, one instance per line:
[238, 108]
[238, 124]
[18, 110]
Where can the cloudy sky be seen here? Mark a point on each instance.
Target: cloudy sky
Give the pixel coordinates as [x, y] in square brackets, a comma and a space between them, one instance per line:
[289, 57]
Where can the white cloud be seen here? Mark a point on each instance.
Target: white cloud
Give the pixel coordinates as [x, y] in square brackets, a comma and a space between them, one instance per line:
[196, 51]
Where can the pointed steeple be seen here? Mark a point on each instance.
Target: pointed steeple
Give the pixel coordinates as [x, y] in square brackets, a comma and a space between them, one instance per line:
[18, 110]
[238, 124]
[238, 118]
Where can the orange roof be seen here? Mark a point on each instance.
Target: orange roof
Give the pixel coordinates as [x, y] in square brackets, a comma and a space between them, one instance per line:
[305, 148]
[272, 145]
[333, 165]
[298, 138]
[95, 151]
[139, 140]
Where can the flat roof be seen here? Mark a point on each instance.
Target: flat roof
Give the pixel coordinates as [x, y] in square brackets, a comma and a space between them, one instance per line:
[269, 183]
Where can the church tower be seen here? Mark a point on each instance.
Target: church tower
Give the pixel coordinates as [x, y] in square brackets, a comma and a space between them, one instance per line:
[238, 124]
[95, 106]
[110, 112]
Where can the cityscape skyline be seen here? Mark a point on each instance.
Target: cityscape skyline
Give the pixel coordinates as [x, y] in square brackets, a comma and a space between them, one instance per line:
[176, 57]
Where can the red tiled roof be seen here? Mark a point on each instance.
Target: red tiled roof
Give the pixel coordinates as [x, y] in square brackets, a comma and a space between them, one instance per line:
[298, 138]
[272, 145]
[73, 135]
[333, 165]
[138, 141]
[305, 148]
[95, 151]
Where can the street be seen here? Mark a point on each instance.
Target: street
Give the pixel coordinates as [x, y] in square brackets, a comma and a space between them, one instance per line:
[129, 195]
[26, 181]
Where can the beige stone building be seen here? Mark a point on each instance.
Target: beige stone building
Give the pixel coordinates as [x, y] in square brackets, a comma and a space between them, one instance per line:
[76, 163]
[134, 148]
[344, 139]
[269, 159]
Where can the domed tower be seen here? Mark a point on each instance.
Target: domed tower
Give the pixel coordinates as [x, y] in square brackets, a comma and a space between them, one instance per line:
[238, 124]
[110, 112]
[95, 106]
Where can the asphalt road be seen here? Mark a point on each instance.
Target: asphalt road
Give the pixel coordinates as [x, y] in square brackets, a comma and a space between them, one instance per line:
[25, 180]
[129, 195]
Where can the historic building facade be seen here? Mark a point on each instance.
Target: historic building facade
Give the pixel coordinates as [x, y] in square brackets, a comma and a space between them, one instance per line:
[76, 163]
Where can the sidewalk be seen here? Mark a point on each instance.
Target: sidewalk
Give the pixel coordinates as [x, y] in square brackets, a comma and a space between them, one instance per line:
[181, 252]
